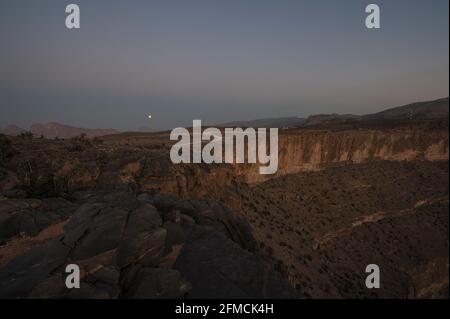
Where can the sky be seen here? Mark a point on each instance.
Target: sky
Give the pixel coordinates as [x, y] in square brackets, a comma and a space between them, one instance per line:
[215, 60]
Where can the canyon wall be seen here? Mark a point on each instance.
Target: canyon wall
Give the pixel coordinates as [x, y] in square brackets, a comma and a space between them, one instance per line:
[117, 165]
[308, 150]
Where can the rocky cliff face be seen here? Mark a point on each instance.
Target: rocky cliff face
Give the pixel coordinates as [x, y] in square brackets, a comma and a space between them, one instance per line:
[309, 150]
[56, 166]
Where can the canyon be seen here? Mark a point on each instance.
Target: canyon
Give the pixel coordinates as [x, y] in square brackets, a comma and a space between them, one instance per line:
[346, 195]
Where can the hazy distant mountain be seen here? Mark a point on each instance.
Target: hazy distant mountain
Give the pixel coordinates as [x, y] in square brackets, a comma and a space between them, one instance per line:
[269, 122]
[436, 109]
[13, 130]
[52, 130]
[145, 129]
[330, 118]
[429, 110]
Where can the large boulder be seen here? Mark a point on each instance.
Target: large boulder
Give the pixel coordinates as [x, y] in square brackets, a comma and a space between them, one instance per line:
[127, 247]
[219, 268]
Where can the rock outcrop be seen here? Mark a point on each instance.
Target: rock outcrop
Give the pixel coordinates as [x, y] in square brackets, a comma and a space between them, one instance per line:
[128, 247]
[13, 130]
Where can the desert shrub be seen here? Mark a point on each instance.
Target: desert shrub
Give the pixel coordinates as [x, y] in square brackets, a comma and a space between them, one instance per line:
[26, 136]
[97, 141]
[79, 143]
[5, 147]
[36, 177]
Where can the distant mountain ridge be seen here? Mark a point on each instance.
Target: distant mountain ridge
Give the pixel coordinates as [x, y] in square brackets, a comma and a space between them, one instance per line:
[419, 111]
[268, 122]
[428, 110]
[329, 119]
[54, 130]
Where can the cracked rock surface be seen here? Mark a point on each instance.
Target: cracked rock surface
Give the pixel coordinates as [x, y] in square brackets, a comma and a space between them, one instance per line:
[130, 246]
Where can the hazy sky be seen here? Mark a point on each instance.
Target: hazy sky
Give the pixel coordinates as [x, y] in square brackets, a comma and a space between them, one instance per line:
[215, 60]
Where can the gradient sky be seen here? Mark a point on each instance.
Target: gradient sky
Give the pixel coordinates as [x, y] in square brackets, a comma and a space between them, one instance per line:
[217, 61]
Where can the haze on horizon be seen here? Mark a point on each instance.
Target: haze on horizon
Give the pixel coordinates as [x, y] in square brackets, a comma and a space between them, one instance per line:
[218, 61]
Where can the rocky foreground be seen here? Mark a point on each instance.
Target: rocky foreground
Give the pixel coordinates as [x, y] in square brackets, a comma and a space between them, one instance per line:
[131, 247]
